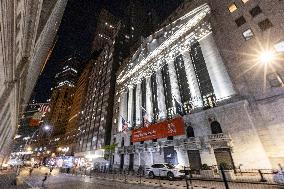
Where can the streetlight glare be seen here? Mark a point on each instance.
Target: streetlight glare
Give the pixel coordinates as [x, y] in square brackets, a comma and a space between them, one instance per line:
[266, 57]
[46, 127]
[29, 149]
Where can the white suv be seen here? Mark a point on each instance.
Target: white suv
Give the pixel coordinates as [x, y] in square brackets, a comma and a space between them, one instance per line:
[165, 170]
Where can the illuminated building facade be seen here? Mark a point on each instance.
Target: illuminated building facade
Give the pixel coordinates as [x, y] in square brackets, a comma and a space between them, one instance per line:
[69, 74]
[60, 105]
[197, 65]
[96, 113]
[62, 98]
[78, 100]
[113, 39]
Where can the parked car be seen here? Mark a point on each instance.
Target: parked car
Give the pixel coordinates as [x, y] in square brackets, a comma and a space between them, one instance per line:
[278, 177]
[165, 170]
[15, 162]
[4, 167]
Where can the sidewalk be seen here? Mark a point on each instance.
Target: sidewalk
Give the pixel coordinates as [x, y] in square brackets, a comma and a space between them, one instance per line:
[7, 181]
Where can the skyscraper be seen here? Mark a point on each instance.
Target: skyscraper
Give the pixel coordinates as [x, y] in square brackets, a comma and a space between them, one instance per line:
[78, 101]
[69, 73]
[95, 120]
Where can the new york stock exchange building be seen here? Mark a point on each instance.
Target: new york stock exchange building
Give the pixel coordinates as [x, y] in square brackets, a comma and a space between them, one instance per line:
[190, 63]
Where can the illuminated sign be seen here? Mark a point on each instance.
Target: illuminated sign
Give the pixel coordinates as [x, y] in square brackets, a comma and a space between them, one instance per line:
[163, 129]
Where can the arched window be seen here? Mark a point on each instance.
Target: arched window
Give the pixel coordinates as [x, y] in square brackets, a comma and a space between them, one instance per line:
[189, 132]
[216, 127]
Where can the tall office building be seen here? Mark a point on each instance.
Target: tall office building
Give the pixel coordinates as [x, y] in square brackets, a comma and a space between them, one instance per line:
[62, 97]
[106, 28]
[78, 101]
[210, 87]
[95, 120]
[69, 73]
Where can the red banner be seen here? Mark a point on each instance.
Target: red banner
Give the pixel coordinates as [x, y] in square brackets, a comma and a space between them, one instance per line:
[163, 129]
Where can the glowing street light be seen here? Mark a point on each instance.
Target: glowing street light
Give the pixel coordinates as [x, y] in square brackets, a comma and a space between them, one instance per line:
[266, 57]
[46, 127]
[29, 149]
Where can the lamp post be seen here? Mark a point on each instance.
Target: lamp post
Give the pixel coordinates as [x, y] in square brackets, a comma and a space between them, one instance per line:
[44, 128]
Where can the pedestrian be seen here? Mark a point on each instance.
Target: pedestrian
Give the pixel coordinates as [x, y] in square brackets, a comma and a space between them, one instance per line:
[18, 170]
[14, 181]
[31, 170]
[50, 170]
[44, 179]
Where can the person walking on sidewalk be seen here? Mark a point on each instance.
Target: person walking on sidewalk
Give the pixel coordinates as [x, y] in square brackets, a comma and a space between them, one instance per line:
[50, 170]
[31, 170]
[44, 179]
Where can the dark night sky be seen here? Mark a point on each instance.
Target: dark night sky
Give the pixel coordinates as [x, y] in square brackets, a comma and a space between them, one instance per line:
[76, 34]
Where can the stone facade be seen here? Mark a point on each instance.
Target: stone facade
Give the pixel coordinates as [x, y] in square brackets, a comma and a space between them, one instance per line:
[27, 32]
[232, 110]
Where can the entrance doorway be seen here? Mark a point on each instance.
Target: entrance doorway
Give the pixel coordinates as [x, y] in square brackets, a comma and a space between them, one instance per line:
[223, 155]
[194, 159]
[131, 162]
[121, 161]
[170, 155]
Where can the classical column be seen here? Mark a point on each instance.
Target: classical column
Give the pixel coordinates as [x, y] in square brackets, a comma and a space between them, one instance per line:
[138, 104]
[161, 96]
[122, 109]
[221, 82]
[192, 80]
[174, 81]
[152, 158]
[130, 105]
[149, 102]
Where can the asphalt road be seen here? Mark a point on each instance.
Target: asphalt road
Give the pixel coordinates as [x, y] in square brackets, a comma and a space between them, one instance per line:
[103, 181]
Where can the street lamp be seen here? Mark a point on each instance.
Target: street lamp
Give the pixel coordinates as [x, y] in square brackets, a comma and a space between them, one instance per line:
[46, 127]
[266, 57]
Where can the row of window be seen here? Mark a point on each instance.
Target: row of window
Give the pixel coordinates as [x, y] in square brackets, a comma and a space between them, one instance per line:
[263, 25]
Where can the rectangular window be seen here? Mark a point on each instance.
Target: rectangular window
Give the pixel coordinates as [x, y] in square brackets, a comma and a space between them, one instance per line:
[248, 34]
[281, 75]
[255, 11]
[275, 80]
[265, 24]
[279, 47]
[232, 7]
[240, 21]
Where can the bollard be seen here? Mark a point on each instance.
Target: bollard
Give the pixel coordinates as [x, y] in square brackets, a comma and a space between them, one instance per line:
[224, 178]
[262, 179]
[125, 179]
[160, 184]
[280, 166]
[186, 182]
[190, 179]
